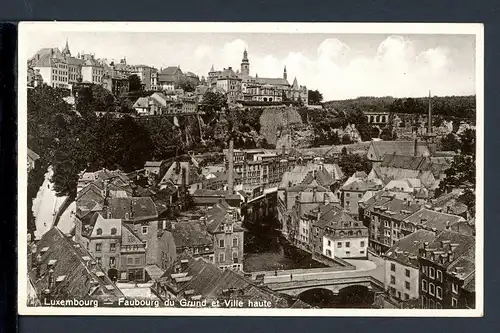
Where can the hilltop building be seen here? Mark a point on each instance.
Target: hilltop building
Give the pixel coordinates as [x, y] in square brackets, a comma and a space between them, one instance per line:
[241, 86]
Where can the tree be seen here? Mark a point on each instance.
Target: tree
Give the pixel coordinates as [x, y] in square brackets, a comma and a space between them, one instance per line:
[388, 134]
[450, 143]
[213, 103]
[468, 142]
[314, 97]
[346, 139]
[186, 84]
[134, 82]
[351, 163]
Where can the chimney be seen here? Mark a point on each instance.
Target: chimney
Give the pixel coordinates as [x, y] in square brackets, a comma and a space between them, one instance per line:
[425, 245]
[78, 230]
[447, 225]
[230, 176]
[131, 209]
[325, 199]
[423, 221]
[450, 256]
[177, 166]
[172, 225]
[283, 150]
[51, 278]
[415, 148]
[429, 125]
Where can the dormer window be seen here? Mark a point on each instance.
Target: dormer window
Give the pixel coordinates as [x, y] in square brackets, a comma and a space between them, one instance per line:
[113, 231]
[99, 231]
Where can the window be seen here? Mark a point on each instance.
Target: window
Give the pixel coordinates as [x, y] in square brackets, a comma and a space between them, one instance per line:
[130, 260]
[113, 231]
[99, 231]
[407, 297]
[431, 304]
[329, 253]
[112, 247]
[235, 242]
[424, 285]
[348, 194]
[454, 302]
[347, 244]
[359, 195]
[112, 260]
[407, 285]
[454, 287]
[145, 244]
[221, 243]
[144, 230]
[137, 260]
[347, 203]
[439, 275]
[329, 243]
[347, 253]
[424, 302]
[439, 292]
[431, 272]
[393, 267]
[362, 244]
[424, 270]
[407, 272]
[98, 247]
[393, 279]
[339, 245]
[222, 257]
[432, 289]
[98, 260]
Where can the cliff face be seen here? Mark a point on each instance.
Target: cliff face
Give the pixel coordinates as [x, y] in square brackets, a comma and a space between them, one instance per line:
[282, 126]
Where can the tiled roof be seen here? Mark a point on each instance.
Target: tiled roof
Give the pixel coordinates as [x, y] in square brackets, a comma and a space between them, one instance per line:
[31, 154]
[461, 246]
[106, 225]
[406, 148]
[362, 185]
[77, 278]
[153, 163]
[405, 251]
[393, 208]
[470, 286]
[406, 162]
[430, 219]
[331, 215]
[188, 234]
[138, 208]
[210, 282]
[272, 81]
[170, 70]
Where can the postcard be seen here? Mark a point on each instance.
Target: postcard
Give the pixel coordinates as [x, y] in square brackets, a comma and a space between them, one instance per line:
[250, 169]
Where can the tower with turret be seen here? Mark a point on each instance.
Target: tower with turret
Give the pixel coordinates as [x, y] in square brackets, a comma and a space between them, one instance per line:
[66, 52]
[245, 64]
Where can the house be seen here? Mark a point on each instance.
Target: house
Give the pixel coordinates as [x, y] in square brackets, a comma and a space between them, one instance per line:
[378, 149]
[185, 238]
[449, 203]
[219, 181]
[182, 174]
[395, 166]
[115, 247]
[432, 220]
[447, 272]
[224, 224]
[335, 234]
[148, 106]
[408, 189]
[402, 269]
[32, 158]
[61, 269]
[154, 169]
[169, 77]
[197, 280]
[353, 190]
[385, 215]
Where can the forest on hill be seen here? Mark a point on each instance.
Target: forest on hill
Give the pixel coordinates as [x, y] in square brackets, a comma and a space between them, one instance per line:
[449, 107]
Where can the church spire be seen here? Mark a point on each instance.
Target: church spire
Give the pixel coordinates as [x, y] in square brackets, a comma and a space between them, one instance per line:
[66, 50]
[284, 73]
[245, 64]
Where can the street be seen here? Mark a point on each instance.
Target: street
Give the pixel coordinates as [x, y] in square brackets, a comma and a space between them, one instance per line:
[45, 206]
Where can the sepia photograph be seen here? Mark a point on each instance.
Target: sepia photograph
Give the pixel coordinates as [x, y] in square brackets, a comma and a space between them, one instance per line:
[270, 169]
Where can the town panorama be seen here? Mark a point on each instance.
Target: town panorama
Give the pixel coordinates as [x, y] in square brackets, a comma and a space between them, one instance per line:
[164, 187]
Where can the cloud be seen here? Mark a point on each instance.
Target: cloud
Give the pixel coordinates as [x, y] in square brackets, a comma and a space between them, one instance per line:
[395, 68]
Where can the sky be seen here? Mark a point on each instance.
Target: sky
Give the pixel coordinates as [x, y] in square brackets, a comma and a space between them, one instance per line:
[340, 66]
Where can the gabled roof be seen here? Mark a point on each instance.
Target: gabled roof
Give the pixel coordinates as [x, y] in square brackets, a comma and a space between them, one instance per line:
[405, 251]
[130, 238]
[406, 162]
[331, 215]
[405, 148]
[433, 220]
[132, 209]
[272, 81]
[189, 234]
[106, 225]
[221, 213]
[72, 273]
[392, 207]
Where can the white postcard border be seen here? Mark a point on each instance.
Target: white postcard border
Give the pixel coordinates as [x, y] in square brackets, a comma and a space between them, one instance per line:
[187, 27]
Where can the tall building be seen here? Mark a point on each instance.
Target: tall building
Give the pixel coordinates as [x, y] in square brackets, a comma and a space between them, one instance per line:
[241, 86]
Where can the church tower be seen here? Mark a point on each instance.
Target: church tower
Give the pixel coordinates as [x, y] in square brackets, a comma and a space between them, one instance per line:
[245, 64]
[284, 74]
[66, 51]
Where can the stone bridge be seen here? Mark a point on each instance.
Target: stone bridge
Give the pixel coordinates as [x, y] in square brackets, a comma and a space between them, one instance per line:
[335, 285]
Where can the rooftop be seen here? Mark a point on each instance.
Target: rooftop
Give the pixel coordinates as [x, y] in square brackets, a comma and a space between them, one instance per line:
[405, 251]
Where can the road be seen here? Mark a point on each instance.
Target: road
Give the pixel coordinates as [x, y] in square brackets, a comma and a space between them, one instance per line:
[67, 220]
[363, 268]
[45, 206]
